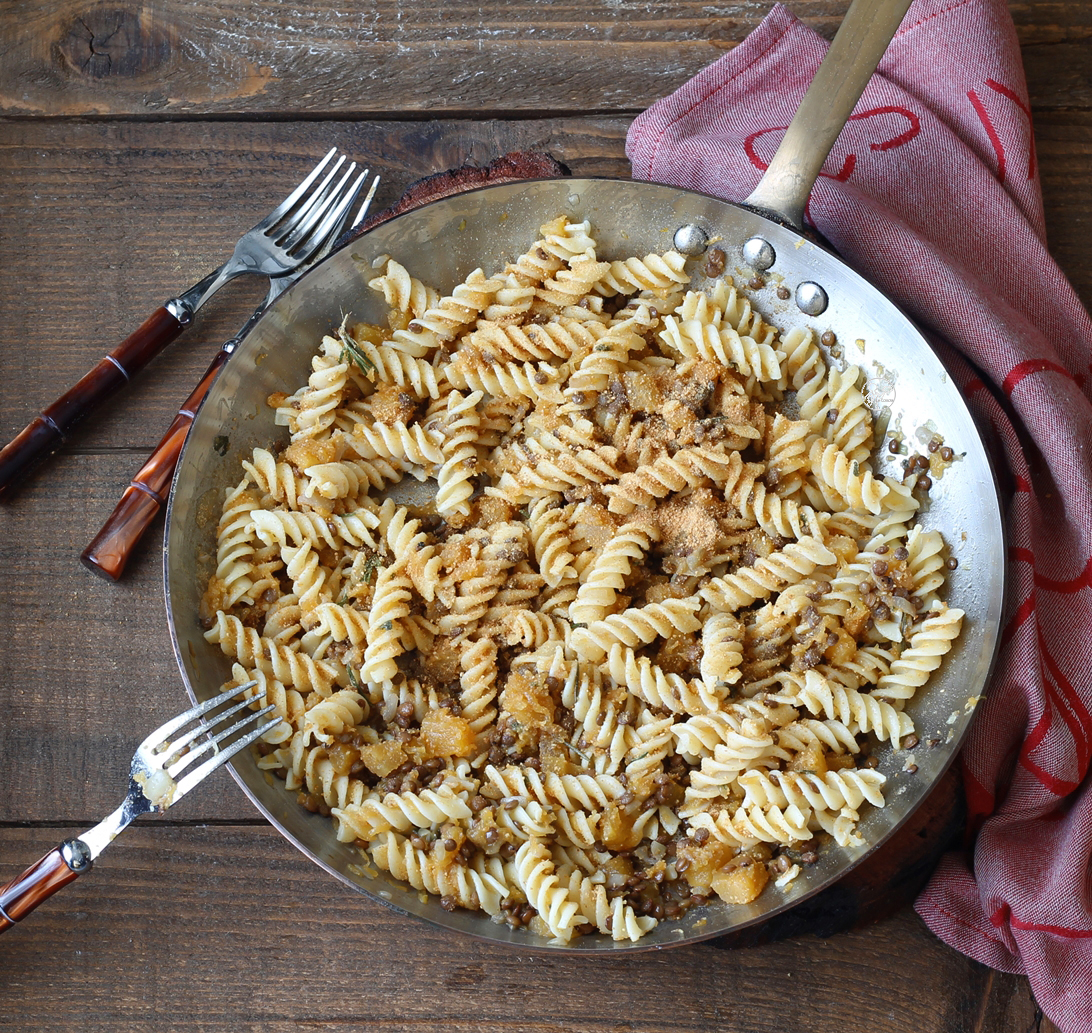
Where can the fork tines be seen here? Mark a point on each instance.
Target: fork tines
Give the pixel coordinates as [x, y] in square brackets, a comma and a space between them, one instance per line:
[321, 208]
[173, 756]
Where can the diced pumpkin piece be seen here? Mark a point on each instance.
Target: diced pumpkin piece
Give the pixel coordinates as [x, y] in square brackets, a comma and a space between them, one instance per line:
[703, 861]
[741, 884]
[382, 758]
[447, 735]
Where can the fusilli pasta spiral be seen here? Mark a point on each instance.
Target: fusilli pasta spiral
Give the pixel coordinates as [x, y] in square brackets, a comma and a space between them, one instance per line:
[642, 640]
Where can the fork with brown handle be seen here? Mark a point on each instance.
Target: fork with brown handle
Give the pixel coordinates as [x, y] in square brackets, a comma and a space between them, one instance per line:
[157, 779]
[109, 551]
[290, 235]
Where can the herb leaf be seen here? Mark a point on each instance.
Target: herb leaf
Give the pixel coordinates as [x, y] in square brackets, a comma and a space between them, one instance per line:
[351, 350]
[371, 565]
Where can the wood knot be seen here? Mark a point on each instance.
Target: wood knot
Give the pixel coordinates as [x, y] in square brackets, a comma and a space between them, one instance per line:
[108, 41]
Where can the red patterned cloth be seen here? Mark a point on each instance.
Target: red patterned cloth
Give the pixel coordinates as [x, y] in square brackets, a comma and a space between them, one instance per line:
[932, 193]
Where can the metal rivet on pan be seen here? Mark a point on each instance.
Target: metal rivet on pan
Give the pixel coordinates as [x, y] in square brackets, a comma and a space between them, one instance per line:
[811, 298]
[759, 254]
[691, 239]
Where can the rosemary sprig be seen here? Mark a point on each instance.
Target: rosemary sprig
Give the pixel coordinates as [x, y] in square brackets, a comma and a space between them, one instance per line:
[351, 350]
[583, 756]
[371, 564]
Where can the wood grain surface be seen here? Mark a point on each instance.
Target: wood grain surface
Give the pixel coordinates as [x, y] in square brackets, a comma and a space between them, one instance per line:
[137, 142]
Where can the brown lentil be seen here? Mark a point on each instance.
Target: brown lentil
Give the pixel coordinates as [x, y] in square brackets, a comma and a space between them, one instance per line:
[714, 262]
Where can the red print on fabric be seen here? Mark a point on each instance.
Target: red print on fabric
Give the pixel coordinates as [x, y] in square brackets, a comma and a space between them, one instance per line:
[1064, 764]
[1026, 368]
[1061, 699]
[991, 130]
[913, 127]
[980, 801]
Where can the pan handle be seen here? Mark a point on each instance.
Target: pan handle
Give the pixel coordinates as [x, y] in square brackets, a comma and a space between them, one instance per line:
[862, 39]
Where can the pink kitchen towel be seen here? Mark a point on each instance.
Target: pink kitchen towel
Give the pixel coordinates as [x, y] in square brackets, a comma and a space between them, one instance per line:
[932, 193]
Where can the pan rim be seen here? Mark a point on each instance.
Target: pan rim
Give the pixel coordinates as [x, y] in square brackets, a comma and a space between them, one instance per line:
[524, 940]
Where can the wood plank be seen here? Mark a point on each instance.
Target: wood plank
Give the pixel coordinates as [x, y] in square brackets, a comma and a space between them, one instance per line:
[1051, 21]
[87, 669]
[222, 928]
[201, 58]
[392, 58]
[1064, 150]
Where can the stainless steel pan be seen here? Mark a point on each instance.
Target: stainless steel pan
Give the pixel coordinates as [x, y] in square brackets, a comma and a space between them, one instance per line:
[908, 388]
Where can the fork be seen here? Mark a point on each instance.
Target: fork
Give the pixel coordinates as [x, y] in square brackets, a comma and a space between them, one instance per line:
[109, 551]
[156, 781]
[291, 234]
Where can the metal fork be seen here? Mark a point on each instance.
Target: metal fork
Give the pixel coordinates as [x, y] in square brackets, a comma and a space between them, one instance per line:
[290, 235]
[157, 779]
[110, 549]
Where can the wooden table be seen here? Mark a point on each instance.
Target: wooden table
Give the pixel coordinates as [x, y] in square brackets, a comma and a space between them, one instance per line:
[136, 142]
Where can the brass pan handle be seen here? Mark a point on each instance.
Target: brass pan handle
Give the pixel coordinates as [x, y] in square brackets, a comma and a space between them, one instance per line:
[862, 39]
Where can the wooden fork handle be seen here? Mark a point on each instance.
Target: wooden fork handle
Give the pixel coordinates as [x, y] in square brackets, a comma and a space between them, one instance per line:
[41, 880]
[48, 431]
[147, 493]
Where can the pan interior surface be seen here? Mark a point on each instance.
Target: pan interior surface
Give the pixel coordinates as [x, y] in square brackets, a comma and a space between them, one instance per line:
[909, 391]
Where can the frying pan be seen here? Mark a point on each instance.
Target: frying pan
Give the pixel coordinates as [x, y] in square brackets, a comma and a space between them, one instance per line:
[908, 389]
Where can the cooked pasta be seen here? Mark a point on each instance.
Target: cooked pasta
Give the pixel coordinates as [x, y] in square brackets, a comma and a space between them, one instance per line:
[659, 613]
